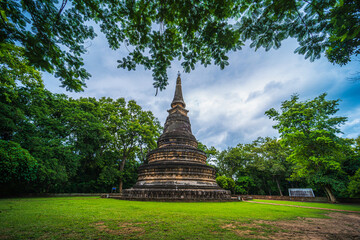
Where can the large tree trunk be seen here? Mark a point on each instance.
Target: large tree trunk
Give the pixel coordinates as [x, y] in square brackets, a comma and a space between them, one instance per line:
[330, 195]
[278, 185]
[121, 168]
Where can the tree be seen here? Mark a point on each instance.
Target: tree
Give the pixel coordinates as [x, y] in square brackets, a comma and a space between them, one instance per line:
[226, 183]
[15, 70]
[328, 26]
[309, 130]
[237, 163]
[44, 132]
[243, 184]
[232, 161]
[31, 117]
[70, 140]
[17, 167]
[129, 127]
[352, 167]
[269, 157]
[53, 37]
[354, 185]
[89, 137]
[156, 33]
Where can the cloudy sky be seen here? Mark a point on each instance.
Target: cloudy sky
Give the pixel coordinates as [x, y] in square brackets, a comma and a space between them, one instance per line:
[226, 107]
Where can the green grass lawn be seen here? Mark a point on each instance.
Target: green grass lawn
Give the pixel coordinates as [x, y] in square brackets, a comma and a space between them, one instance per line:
[96, 218]
[350, 207]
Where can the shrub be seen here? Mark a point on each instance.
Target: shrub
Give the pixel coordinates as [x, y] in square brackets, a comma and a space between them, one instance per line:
[226, 183]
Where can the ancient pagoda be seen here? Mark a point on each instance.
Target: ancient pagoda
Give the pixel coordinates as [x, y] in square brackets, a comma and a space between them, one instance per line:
[176, 170]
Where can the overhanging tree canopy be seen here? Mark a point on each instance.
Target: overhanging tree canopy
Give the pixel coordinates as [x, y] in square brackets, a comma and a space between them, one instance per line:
[54, 34]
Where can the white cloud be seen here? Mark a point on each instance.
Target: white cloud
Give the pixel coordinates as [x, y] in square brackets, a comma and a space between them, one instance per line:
[351, 128]
[226, 107]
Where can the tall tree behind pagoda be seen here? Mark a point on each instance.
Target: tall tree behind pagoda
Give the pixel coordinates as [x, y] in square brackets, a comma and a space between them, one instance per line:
[131, 129]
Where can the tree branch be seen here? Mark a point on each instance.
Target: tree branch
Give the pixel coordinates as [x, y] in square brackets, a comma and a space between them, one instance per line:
[3, 20]
[303, 21]
[57, 18]
[315, 7]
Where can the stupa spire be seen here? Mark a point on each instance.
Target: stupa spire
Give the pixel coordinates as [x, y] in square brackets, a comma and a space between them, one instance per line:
[178, 97]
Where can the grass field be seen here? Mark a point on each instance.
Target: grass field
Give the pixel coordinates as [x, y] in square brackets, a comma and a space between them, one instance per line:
[348, 207]
[96, 218]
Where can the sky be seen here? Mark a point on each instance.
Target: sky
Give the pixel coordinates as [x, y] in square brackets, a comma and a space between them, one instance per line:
[226, 107]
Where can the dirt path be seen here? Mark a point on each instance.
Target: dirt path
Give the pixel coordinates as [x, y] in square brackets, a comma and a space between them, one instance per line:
[339, 226]
[329, 209]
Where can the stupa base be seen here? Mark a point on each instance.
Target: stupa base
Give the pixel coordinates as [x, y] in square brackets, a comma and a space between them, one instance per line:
[168, 194]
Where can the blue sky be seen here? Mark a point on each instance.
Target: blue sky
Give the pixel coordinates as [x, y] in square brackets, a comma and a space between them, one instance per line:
[226, 107]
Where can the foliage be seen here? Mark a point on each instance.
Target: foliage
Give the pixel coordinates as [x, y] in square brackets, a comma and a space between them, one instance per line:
[272, 154]
[210, 152]
[130, 129]
[352, 152]
[232, 160]
[53, 38]
[155, 33]
[318, 26]
[88, 136]
[344, 40]
[269, 157]
[354, 167]
[258, 168]
[310, 132]
[354, 185]
[31, 116]
[243, 184]
[17, 167]
[226, 183]
[14, 70]
[69, 139]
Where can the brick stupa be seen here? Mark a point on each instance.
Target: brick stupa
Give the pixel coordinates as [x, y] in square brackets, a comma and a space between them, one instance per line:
[176, 170]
